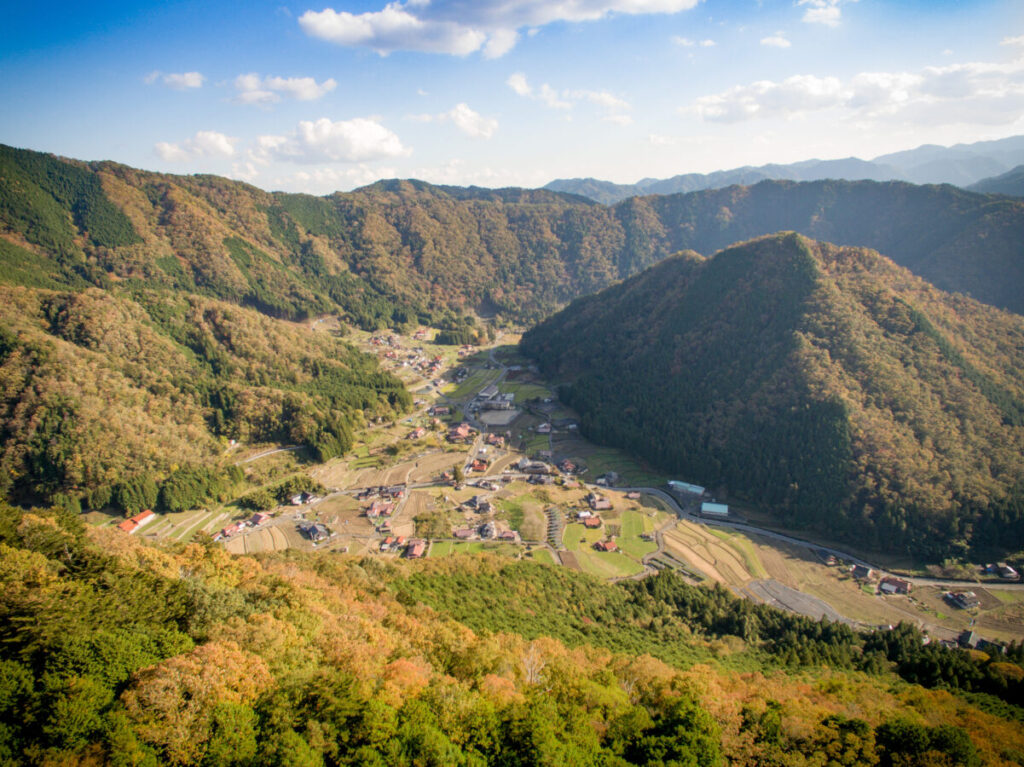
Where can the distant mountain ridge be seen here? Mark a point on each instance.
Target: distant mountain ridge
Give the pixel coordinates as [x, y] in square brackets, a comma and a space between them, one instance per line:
[823, 383]
[1010, 183]
[960, 165]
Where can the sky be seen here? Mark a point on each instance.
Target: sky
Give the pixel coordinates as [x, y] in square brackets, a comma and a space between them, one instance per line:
[314, 97]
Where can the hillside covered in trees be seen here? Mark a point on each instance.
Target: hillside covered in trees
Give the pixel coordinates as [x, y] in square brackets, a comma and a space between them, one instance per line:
[822, 383]
[400, 252]
[116, 651]
[131, 399]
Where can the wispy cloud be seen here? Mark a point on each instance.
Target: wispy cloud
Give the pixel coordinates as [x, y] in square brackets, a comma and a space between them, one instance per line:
[459, 28]
[685, 42]
[975, 93]
[565, 99]
[205, 143]
[468, 121]
[253, 89]
[179, 81]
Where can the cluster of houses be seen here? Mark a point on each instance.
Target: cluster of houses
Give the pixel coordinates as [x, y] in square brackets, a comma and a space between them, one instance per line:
[414, 548]
[480, 504]
[380, 510]
[257, 519]
[490, 398]
[1003, 570]
[887, 585]
[133, 524]
[384, 492]
[598, 502]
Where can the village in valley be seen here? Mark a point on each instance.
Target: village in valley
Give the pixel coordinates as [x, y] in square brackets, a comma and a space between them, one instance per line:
[491, 461]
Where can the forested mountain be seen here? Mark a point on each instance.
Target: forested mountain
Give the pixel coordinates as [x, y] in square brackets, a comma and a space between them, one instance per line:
[153, 291]
[106, 398]
[398, 252]
[962, 165]
[1010, 183]
[956, 240]
[821, 382]
[116, 651]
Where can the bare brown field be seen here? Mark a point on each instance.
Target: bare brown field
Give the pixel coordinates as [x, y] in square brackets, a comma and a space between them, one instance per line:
[429, 467]
[535, 523]
[569, 560]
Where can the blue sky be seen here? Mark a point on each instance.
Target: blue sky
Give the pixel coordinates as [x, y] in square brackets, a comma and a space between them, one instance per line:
[311, 97]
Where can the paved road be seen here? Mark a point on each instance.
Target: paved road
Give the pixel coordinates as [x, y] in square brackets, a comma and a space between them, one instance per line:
[816, 547]
[270, 452]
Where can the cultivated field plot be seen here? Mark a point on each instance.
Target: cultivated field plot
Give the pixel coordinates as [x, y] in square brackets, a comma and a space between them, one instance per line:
[1001, 615]
[259, 540]
[427, 468]
[450, 548]
[525, 391]
[719, 559]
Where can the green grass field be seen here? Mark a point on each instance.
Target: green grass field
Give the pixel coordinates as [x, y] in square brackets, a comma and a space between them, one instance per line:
[474, 383]
[634, 524]
[543, 556]
[441, 548]
[525, 391]
[580, 541]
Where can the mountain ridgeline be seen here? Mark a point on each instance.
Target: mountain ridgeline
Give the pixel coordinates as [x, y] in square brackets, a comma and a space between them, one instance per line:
[821, 382]
[400, 252]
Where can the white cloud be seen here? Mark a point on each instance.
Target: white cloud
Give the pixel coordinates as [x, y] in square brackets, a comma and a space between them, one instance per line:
[1017, 41]
[565, 99]
[618, 119]
[517, 82]
[205, 143]
[777, 40]
[978, 93]
[825, 12]
[180, 81]
[600, 98]
[549, 96]
[471, 123]
[461, 27]
[360, 139]
[252, 89]
[685, 42]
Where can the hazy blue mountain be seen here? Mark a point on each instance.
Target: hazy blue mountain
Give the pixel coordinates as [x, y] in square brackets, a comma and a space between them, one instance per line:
[962, 165]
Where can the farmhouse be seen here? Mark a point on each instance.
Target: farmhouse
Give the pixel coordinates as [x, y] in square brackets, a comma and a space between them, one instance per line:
[860, 572]
[460, 433]
[416, 549]
[259, 518]
[965, 600]
[133, 524]
[894, 586]
[465, 533]
[608, 545]
[592, 522]
[598, 502]
[315, 531]
[1006, 572]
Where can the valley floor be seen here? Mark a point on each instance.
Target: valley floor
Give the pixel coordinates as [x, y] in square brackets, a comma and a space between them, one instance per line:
[500, 509]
